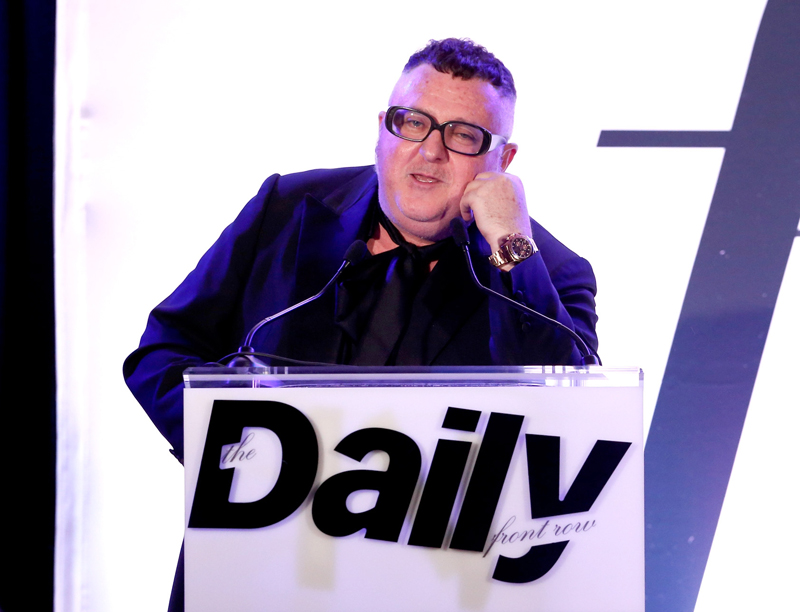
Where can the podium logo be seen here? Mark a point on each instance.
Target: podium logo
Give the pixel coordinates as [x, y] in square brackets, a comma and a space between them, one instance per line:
[396, 485]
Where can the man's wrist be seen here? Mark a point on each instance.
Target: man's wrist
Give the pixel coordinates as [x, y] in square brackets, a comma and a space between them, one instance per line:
[513, 249]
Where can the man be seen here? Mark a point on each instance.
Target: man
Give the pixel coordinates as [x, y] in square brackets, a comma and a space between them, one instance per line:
[443, 149]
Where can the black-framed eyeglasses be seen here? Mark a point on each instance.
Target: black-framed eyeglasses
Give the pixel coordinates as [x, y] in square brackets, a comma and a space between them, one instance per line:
[457, 136]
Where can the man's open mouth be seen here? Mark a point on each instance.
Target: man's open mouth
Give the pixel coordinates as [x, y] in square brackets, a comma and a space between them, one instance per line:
[424, 178]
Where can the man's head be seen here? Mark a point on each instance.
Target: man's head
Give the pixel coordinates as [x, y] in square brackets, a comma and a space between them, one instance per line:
[421, 183]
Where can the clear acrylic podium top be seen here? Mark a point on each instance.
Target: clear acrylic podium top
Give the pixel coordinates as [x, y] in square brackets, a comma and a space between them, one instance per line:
[401, 376]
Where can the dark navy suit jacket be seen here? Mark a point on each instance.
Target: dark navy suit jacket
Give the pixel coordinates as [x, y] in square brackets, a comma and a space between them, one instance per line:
[288, 242]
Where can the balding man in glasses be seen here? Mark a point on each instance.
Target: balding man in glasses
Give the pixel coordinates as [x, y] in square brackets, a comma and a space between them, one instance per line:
[443, 150]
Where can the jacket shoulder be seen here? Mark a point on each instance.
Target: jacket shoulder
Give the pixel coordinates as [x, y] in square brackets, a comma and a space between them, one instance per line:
[324, 183]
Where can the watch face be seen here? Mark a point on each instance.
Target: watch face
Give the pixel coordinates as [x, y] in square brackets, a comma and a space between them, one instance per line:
[520, 248]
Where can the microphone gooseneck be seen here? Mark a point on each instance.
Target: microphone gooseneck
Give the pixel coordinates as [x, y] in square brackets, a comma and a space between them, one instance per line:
[245, 355]
[458, 227]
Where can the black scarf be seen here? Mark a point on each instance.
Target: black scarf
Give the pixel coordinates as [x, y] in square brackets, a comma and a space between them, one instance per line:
[375, 298]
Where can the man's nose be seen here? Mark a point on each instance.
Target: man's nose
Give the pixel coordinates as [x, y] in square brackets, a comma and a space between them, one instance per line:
[432, 148]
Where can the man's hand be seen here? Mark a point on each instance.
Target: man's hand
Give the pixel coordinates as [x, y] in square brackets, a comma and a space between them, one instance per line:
[496, 200]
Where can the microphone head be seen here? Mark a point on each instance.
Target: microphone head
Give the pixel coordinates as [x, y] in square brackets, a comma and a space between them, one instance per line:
[355, 252]
[458, 227]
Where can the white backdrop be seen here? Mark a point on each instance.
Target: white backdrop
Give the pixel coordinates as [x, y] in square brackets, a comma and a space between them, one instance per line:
[170, 113]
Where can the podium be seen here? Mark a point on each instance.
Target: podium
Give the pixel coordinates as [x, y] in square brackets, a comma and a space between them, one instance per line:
[414, 489]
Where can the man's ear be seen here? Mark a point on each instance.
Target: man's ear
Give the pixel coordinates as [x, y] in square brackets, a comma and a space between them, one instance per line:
[509, 151]
[381, 116]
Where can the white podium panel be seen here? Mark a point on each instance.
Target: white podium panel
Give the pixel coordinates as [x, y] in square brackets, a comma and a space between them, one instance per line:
[398, 491]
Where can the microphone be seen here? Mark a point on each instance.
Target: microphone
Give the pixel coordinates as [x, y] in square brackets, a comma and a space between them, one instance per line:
[244, 356]
[458, 227]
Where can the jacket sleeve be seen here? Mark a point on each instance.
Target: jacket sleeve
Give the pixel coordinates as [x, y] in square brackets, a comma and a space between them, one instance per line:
[200, 322]
[556, 283]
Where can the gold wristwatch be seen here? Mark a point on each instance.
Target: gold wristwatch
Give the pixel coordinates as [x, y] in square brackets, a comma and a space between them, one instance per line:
[515, 248]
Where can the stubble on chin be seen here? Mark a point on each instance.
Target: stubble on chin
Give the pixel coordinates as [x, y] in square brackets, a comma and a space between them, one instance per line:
[416, 232]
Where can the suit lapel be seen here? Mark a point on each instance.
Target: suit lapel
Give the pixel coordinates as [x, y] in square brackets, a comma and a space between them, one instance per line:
[327, 228]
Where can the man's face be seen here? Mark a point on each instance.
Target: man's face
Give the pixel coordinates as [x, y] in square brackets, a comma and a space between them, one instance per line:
[420, 184]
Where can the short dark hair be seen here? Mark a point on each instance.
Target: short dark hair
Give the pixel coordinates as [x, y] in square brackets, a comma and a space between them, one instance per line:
[465, 59]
